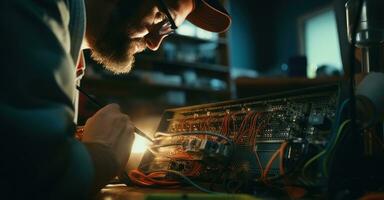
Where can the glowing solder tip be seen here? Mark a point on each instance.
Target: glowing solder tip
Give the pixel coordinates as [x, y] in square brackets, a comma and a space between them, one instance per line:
[140, 144]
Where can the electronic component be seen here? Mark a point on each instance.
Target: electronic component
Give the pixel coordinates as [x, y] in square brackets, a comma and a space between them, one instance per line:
[242, 142]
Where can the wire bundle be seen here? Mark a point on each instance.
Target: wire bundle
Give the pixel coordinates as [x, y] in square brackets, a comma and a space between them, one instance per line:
[251, 123]
[244, 127]
[226, 124]
[154, 178]
[158, 178]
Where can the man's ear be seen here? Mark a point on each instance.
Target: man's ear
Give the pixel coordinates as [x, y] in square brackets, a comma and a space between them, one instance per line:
[153, 41]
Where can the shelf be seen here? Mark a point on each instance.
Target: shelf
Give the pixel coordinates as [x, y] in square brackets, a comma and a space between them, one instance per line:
[194, 40]
[178, 64]
[123, 85]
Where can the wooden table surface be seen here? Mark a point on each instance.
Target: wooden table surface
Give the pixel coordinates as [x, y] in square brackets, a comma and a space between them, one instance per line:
[123, 192]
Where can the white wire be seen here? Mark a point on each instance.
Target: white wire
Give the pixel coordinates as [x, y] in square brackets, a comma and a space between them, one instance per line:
[164, 145]
[153, 151]
[193, 133]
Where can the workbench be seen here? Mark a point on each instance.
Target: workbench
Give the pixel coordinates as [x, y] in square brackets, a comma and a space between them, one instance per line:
[123, 192]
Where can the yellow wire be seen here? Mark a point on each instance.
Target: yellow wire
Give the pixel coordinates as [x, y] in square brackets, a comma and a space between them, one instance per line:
[325, 162]
[314, 158]
[310, 161]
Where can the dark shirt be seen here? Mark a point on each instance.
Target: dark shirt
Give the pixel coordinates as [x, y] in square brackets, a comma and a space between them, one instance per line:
[39, 157]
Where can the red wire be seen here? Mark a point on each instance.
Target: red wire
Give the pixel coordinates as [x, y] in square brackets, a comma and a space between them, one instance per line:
[253, 130]
[269, 164]
[223, 130]
[142, 179]
[280, 151]
[243, 127]
[259, 163]
[248, 130]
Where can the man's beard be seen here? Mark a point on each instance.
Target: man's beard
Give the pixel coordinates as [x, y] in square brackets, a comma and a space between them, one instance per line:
[116, 51]
[112, 46]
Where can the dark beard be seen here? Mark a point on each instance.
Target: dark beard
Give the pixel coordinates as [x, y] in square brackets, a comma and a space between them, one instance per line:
[117, 51]
[113, 48]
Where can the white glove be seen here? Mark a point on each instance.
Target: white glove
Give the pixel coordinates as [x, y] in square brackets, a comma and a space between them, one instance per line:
[112, 128]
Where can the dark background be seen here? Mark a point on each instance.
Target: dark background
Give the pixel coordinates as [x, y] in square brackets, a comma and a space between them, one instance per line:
[272, 29]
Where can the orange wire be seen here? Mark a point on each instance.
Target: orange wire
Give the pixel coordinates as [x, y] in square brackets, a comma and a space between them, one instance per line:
[260, 165]
[138, 178]
[142, 179]
[223, 130]
[228, 125]
[250, 130]
[269, 164]
[243, 126]
[252, 139]
[280, 151]
[254, 130]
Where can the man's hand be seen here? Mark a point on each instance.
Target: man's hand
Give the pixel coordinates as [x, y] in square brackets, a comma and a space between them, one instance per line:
[113, 129]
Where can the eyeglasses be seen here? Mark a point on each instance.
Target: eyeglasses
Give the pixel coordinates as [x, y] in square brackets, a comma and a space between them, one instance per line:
[165, 29]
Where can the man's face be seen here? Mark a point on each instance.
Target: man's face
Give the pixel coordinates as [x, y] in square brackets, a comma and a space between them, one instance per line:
[118, 29]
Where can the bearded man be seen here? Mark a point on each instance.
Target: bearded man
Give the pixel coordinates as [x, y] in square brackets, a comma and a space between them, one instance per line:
[42, 64]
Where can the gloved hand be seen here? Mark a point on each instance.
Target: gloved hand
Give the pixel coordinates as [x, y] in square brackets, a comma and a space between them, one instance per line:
[111, 128]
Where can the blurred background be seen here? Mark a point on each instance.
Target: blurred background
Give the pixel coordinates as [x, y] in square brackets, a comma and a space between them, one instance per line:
[271, 46]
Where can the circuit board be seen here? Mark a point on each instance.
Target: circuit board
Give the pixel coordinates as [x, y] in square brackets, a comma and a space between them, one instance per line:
[240, 142]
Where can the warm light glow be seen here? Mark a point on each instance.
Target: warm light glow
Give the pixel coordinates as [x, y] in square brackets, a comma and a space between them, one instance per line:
[140, 144]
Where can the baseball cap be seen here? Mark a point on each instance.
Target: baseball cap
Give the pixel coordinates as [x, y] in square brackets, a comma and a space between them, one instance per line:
[210, 15]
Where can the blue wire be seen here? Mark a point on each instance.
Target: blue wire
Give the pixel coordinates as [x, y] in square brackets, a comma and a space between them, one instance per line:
[337, 121]
[338, 116]
[188, 180]
[336, 127]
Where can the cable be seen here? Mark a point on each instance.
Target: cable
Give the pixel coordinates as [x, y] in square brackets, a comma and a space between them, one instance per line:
[336, 127]
[278, 152]
[329, 151]
[224, 125]
[340, 111]
[282, 153]
[164, 145]
[325, 151]
[188, 180]
[310, 161]
[142, 179]
[153, 151]
[260, 165]
[338, 134]
[244, 127]
[254, 128]
[194, 133]
[331, 144]
[254, 132]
